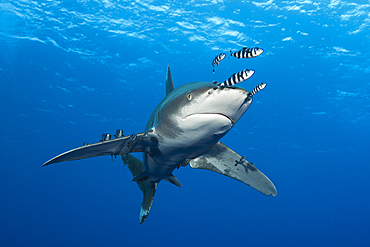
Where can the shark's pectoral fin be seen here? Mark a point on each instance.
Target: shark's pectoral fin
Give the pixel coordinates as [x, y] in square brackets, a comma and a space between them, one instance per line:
[118, 146]
[223, 160]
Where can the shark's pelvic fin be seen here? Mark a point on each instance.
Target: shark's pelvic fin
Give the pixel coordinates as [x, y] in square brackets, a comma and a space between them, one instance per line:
[136, 167]
[172, 179]
[223, 160]
[169, 83]
[118, 146]
[146, 176]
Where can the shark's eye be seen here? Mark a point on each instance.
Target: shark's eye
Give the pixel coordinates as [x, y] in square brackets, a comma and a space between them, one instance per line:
[189, 96]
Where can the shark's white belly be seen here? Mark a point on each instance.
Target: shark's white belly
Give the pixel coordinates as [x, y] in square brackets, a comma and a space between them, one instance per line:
[199, 133]
[200, 130]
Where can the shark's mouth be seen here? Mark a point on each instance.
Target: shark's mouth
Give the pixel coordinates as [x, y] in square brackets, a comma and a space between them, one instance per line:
[210, 113]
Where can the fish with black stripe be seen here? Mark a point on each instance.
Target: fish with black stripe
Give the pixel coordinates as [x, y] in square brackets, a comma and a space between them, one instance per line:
[217, 60]
[247, 52]
[237, 77]
[258, 88]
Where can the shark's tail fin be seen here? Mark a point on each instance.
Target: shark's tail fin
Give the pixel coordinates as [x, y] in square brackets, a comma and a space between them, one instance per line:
[148, 188]
[148, 194]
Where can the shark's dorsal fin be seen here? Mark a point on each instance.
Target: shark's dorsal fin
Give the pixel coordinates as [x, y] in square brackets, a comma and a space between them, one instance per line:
[223, 160]
[169, 83]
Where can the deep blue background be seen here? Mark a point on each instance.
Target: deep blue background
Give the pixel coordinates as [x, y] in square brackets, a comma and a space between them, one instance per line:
[72, 70]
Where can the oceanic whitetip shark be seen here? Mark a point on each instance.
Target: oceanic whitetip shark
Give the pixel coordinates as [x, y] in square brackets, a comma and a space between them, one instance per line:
[185, 128]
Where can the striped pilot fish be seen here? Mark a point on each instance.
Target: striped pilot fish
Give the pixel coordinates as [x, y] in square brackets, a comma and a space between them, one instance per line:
[217, 60]
[237, 77]
[258, 88]
[247, 52]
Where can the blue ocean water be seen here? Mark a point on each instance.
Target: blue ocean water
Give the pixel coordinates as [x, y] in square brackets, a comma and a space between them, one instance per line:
[72, 70]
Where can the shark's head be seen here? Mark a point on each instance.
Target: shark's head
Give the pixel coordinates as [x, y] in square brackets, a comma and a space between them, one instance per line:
[201, 105]
[201, 98]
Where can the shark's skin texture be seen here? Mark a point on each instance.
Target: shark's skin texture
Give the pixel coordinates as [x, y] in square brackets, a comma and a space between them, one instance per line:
[184, 128]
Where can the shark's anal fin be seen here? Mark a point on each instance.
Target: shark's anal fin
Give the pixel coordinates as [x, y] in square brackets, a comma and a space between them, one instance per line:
[223, 160]
[136, 167]
[169, 83]
[118, 146]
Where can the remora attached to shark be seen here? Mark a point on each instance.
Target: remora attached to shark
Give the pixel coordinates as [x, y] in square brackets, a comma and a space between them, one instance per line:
[184, 128]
